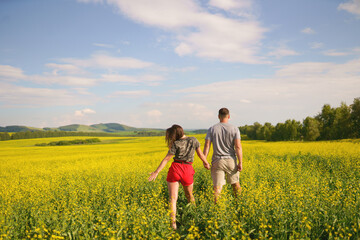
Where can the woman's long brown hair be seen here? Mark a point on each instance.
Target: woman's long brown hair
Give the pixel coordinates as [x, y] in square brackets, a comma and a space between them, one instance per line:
[175, 132]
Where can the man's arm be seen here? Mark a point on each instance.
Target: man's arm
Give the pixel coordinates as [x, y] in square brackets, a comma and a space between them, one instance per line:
[207, 147]
[238, 151]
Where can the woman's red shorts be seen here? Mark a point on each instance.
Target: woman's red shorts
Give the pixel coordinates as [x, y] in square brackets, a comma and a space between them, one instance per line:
[180, 172]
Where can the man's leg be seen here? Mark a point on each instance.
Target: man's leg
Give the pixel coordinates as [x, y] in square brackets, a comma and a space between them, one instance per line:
[233, 176]
[173, 195]
[236, 188]
[218, 177]
[217, 191]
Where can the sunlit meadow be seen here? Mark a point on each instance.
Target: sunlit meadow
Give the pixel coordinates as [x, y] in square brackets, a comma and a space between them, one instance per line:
[290, 190]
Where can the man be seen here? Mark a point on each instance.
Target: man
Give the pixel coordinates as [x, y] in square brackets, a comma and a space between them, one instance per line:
[226, 147]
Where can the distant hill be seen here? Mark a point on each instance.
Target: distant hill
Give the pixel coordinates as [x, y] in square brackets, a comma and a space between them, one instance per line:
[16, 128]
[77, 128]
[101, 127]
[113, 127]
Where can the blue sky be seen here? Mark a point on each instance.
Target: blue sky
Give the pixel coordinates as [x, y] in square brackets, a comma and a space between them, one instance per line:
[156, 63]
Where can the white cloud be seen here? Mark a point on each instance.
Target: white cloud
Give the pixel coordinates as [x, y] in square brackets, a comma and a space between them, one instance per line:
[132, 94]
[104, 61]
[308, 30]
[82, 91]
[72, 72]
[154, 116]
[66, 68]
[241, 8]
[199, 32]
[352, 6]
[10, 73]
[295, 90]
[304, 69]
[183, 49]
[230, 4]
[186, 69]
[316, 45]
[63, 80]
[245, 101]
[83, 112]
[103, 45]
[283, 51]
[154, 113]
[164, 114]
[147, 79]
[13, 95]
[335, 53]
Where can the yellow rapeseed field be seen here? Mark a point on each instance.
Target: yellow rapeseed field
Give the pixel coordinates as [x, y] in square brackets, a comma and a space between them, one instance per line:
[290, 190]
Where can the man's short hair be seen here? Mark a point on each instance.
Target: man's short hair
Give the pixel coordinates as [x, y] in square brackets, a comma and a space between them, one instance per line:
[223, 112]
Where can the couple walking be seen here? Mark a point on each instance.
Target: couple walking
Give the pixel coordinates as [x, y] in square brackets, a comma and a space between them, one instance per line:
[226, 147]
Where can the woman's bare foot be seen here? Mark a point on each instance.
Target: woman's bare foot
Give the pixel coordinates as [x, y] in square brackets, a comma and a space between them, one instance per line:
[173, 225]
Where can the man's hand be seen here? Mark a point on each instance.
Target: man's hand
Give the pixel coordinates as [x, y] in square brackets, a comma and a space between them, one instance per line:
[239, 167]
[153, 176]
[206, 165]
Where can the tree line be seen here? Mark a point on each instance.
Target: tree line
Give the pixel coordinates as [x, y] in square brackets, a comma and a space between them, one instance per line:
[73, 142]
[330, 124]
[47, 134]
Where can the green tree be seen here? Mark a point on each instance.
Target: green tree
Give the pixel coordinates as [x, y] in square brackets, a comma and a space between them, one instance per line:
[4, 136]
[355, 117]
[293, 130]
[267, 131]
[279, 132]
[311, 130]
[341, 127]
[252, 131]
[326, 119]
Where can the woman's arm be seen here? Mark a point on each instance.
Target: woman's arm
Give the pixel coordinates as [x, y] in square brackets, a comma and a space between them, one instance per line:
[203, 158]
[163, 163]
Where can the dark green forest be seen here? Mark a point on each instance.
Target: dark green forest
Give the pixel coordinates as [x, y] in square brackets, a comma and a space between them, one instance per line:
[330, 124]
[48, 134]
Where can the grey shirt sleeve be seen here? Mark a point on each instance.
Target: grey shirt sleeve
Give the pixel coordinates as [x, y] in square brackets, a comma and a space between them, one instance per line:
[208, 135]
[237, 135]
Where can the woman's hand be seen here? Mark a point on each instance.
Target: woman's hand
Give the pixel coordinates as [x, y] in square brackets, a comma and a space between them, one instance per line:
[153, 176]
[203, 158]
[206, 165]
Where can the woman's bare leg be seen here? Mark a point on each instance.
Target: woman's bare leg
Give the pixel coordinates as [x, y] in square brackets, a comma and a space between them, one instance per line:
[189, 193]
[173, 196]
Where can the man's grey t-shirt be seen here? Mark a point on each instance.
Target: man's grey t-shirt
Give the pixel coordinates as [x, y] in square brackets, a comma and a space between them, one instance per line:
[184, 149]
[222, 136]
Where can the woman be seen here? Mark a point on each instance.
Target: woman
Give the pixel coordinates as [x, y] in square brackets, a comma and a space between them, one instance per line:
[182, 148]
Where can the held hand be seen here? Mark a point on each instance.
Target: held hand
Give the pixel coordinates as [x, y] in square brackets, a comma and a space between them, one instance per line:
[153, 176]
[206, 165]
[239, 167]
